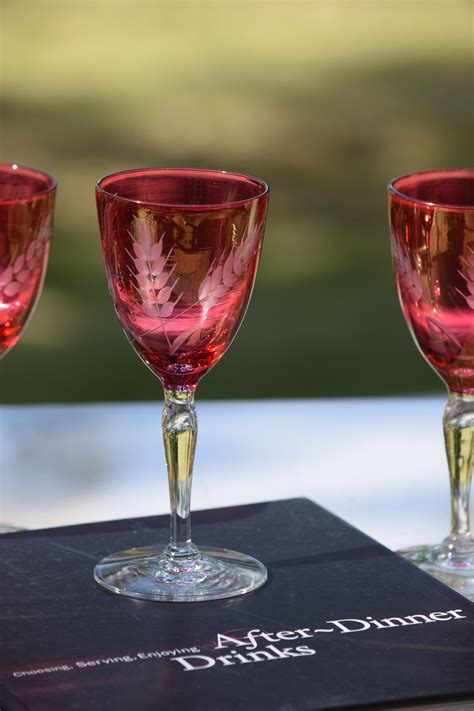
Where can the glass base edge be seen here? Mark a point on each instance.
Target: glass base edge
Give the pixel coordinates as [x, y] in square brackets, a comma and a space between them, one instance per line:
[433, 560]
[149, 574]
[8, 528]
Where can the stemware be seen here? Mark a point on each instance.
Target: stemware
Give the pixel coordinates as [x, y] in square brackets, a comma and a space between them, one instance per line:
[432, 237]
[181, 248]
[26, 216]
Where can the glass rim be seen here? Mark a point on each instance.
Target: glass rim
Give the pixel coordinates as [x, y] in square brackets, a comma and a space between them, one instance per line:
[183, 206]
[34, 171]
[427, 203]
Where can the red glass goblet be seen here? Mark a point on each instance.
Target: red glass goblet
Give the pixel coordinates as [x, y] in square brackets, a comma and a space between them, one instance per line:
[181, 248]
[432, 232]
[26, 216]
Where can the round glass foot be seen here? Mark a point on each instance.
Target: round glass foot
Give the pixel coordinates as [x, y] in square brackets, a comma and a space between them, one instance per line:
[457, 573]
[152, 574]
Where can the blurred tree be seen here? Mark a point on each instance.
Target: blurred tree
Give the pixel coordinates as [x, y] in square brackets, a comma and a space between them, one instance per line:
[324, 100]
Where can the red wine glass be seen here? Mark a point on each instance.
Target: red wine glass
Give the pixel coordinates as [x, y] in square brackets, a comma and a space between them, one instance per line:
[26, 216]
[432, 237]
[181, 248]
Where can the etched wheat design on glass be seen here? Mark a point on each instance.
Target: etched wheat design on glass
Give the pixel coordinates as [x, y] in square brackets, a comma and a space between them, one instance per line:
[181, 249]
[432, 234]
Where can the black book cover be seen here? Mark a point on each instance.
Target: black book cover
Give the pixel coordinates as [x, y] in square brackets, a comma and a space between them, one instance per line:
[342, 623]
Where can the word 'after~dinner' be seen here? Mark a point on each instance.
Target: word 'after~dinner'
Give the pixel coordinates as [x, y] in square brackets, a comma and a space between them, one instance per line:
[247, 648]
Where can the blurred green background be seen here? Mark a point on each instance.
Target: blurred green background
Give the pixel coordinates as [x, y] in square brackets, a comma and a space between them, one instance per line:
[326, 101]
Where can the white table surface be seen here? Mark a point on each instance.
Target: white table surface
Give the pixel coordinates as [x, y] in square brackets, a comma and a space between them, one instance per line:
[377, 462]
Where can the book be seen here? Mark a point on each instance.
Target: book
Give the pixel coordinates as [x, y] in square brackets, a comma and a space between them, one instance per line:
[342, 623]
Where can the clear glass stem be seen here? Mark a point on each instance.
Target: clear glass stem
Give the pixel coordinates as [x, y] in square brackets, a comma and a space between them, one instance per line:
[179, 571]
[179, 435]
[459, 438]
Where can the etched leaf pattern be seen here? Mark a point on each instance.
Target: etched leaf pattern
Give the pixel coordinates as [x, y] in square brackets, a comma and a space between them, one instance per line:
[220, 278]
[156, 287]
[410, 280]
[188, 337]
[438, 330]
[110, 217]
[412, 287]
[151, 272]
[436, 327]
[468, 276]
[26, 264]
